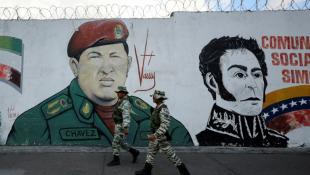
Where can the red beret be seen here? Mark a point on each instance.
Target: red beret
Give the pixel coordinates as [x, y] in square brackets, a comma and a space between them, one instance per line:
[100, 31]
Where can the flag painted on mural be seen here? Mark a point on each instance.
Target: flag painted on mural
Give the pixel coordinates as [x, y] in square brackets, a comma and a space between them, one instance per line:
[11, 59]
[287, 109]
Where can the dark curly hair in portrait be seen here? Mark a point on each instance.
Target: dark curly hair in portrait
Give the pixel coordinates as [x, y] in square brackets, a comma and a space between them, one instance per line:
[209, 60]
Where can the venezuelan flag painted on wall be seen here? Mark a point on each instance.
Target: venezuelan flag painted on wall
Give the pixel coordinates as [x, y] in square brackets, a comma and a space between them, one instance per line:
[11, 59]
[287, 109]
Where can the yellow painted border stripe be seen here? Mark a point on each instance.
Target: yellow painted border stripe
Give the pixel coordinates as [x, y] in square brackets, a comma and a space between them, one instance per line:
[286, 93]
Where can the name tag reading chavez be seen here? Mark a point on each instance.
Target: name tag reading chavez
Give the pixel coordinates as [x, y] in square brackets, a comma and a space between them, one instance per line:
[79, 133]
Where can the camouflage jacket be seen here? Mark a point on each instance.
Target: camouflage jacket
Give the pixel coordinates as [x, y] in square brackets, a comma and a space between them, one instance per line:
[124, 108]
[164, 117]
[69, 118]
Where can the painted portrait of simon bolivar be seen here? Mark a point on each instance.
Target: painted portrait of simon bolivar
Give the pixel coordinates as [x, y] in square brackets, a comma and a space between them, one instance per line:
[234, 71]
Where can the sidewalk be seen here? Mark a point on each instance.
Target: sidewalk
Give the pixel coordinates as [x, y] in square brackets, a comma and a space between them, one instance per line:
[199, 160]
[191, 149]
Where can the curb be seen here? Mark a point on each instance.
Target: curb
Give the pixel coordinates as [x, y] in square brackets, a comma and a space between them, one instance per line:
[193, 149]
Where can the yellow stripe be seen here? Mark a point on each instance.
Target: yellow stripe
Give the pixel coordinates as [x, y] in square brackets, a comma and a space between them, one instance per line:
[286, 93]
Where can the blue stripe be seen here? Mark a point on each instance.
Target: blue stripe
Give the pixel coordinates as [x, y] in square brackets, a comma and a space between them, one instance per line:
[271, 110]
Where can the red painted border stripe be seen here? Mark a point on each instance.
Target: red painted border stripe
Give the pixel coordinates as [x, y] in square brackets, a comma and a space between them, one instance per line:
[290, 121]
[10, 74]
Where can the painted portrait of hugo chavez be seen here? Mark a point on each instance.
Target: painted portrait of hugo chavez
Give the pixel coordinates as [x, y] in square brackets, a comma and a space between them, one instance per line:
[234, 71]
[81, 114]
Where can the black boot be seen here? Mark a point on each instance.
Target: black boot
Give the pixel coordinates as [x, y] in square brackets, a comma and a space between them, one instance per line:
[114, 162]
[146, 170]
[134, 153]
[183, 170]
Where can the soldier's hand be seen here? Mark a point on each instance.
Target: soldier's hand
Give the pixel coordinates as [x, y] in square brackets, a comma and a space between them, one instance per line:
[126, 133]
[152, 138]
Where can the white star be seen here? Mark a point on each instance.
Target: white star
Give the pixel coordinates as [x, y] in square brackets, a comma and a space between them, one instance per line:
[266, 115]
[293, 103]
[274, 110]
[283, 106]
[302, 102]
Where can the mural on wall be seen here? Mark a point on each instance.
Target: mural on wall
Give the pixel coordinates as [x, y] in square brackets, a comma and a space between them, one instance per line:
[234, 71]
[288, 109]
[9, 74]
[258, 88]
[81, 114]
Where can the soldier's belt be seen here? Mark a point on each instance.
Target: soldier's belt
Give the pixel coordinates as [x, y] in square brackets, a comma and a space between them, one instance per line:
[143, 135]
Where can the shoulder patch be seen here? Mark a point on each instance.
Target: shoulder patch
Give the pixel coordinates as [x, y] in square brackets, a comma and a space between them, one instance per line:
[139, 109]
[86, 109]
[139, 103]
[56, 106]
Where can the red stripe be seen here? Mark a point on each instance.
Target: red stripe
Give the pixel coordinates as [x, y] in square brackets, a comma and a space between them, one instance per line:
[10, 74]
[290, 121]
[5, 71]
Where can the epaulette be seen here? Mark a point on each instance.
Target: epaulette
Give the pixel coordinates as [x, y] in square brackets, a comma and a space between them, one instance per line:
[56, 106]
[140, 109]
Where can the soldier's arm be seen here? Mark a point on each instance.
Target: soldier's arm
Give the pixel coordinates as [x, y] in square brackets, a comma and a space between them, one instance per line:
[164, 116]
[125, 107]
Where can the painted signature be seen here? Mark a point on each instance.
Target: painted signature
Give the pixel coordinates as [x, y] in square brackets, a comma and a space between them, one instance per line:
[141, 73]
[11, 113]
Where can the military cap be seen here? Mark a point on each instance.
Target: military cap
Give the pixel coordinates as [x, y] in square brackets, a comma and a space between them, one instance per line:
[121, 89]
[159, 94]
[98, 32]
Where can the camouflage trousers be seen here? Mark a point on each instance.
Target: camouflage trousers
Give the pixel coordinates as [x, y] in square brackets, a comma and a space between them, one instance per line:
[165, 148]
[118, 141]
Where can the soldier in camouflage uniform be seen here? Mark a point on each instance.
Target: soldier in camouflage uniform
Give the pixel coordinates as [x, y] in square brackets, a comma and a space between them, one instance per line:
[121, 116]
[160, 139]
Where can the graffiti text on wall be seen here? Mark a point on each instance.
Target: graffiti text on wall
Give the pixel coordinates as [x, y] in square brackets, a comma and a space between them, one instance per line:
[11, 112]
[141, 72]
[290, 58]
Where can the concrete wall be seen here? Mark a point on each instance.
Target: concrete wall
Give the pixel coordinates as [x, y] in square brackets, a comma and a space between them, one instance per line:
[175, 45]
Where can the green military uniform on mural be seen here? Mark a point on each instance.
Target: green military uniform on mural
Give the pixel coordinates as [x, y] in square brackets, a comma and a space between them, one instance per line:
[69, 118]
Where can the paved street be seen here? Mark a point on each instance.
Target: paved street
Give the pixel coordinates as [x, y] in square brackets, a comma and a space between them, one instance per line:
[94, 163]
